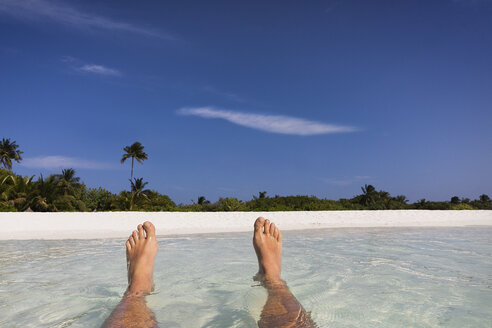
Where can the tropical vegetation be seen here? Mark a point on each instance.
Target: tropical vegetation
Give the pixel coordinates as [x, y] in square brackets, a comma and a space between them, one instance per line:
[135, 151]
[9, 152]
[66, 192]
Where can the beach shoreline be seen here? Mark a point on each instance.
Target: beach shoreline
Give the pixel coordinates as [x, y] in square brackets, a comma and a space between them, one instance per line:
[100, 225]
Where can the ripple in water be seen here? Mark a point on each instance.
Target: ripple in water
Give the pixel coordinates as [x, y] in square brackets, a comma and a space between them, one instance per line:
[346, 278]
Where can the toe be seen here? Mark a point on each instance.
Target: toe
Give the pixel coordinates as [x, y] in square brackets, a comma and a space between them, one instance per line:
[279, 237]
[132, 241]
[272, 228]
[141, 233]
[275, 232]
[259, 223]
[128, 245]
[135, 235]
[267, 227]
[149, 229]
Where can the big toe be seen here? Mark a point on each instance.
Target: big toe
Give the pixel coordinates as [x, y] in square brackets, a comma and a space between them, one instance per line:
[259, 224]
[149, 229]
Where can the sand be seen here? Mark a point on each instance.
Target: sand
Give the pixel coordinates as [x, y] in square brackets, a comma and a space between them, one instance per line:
[120, 224]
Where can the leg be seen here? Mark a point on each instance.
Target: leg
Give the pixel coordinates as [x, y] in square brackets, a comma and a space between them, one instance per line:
[141, 249]
[281, 309]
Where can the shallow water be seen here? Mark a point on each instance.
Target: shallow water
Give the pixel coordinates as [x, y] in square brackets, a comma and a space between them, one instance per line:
[346, 278]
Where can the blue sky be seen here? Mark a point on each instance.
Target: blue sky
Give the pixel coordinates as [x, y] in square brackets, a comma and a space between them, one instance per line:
[231, 98]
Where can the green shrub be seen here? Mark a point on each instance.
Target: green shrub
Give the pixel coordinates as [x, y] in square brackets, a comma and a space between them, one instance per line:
[462, 207]
[229, 205]
[98, 199]
[156, 202]
[6, 207]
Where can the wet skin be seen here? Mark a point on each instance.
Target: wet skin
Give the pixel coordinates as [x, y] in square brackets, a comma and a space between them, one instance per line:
[132, 311]
[281, 308]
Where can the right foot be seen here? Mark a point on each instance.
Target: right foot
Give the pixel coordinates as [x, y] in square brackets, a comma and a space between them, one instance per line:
[141, 249]
[267, 241]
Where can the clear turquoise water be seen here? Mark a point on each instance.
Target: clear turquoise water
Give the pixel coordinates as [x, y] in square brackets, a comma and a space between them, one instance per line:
[347, 278]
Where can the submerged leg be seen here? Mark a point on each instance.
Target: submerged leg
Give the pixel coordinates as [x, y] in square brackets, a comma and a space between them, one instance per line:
[281, 308]
[132, 311]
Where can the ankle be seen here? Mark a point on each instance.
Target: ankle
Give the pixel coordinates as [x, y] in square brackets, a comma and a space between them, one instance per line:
[272, 273]
[274, 284]
[140, 286]
[272, 278]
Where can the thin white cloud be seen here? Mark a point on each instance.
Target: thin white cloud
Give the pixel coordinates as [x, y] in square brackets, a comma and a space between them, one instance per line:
[99, 69]
[339, 182]
[78, 65]
[63, 162]
[269, 123]
[60, 12]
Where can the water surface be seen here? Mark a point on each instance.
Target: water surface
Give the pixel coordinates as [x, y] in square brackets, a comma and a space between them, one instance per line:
[346, 278]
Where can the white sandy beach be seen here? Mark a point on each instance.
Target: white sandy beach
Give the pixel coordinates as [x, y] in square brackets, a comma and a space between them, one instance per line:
[120, 224]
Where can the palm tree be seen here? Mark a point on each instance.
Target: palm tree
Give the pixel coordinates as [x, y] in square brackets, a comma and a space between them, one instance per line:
[18, 190]
[485, 199]
[134, 151]
[138, 191]
[368, 195]
[138, 185]
[455, 200]
[9, 152]
[401, 199]
[202, 200]
[45, 192]
[67, 180]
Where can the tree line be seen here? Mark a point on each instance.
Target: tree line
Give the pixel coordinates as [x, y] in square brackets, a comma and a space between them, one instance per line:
[65, 192]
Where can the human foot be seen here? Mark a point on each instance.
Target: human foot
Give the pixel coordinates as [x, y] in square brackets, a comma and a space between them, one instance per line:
[141, 249]
[267, 241]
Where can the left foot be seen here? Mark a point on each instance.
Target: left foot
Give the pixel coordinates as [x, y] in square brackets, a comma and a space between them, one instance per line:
[141, 249]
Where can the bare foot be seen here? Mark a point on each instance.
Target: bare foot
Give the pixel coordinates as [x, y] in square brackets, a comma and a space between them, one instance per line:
[267, 241]
[141, 249]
